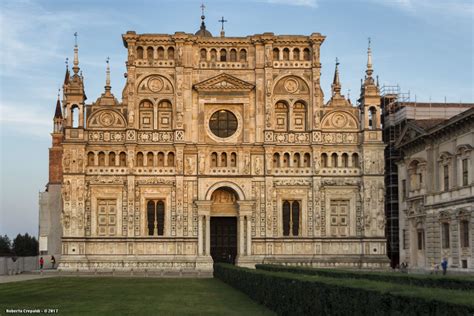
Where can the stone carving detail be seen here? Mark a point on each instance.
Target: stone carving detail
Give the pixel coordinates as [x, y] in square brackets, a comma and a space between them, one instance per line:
[106, 119]
[155, 181]
[292, 138]
[293, 182]
[155, 84]
[155, 137]
[106, 180]
[339, 138]
[101, 136]
[224, 82]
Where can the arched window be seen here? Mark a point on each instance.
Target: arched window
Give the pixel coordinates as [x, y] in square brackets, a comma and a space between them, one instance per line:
[296, 54]
[286, 218]
[334, 160]
[286, 160]
[243, 55]
[214, 160]
[165, 115]
[306, 54]
[291, 218]
[203, 54]
[299, 116]
[286, 54]
[223, 160]
[276, 160]
[324, 160]
[223, 55]
[139, 160]
[233, 55]
[213, 54]
[156, 218]
[281, 116]
[150, 210]
[296, 160]
[372, 115]
[170, 53]
[140, 52]
[149, 52]
[90, 159]
[233, 160]
[101, 159]
[355, 160]
[307, 160]
[123, 159]
[146, 114]
[345, 160]
[170, 159]
[112, 159]
[276, 54]
[149, 159]
[161, 159]
[161, 53]
[75, 116]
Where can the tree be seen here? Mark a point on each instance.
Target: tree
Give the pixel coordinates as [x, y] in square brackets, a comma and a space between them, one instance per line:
[5, 246]
[25, 245]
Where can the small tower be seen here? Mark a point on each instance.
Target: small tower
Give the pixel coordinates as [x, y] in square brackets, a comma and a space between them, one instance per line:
[337, 99]
[74, 95]
[55, 152]
[370, 98]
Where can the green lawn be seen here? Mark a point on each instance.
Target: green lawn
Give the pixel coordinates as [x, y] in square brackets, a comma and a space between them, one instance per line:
[129, 296]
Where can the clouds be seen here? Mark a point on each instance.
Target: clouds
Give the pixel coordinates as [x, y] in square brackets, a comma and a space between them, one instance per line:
[302, 3]
[426, 8]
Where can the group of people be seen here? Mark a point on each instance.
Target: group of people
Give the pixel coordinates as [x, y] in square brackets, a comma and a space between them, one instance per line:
[434, 267]
[41, 262]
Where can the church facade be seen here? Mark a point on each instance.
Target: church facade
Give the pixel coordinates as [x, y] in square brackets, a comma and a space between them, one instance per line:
[221, 149]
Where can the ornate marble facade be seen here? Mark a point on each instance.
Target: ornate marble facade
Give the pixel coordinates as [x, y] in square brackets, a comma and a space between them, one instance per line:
[221, 127]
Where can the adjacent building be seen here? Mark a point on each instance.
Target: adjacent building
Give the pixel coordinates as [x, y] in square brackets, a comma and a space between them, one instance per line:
[436, 192]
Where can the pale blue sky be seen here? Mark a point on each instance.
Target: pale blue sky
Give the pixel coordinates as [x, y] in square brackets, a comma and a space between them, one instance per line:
[426, 46]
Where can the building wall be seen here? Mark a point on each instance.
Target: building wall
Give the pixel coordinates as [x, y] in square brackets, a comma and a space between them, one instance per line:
[50, 230]
[426, 206]
[105, 203]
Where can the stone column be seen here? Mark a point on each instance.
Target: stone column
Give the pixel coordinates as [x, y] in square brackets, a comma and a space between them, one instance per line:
[208, 235]
[200, 235]
[249, 236]
[241, 235]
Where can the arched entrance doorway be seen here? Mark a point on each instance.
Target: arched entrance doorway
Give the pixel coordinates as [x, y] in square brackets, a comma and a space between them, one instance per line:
[224, 211]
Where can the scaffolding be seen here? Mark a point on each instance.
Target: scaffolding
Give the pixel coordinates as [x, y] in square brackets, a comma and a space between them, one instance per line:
[392, 100]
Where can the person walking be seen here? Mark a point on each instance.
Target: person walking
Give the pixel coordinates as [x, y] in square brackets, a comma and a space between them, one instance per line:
[53, 262]
[41, 263]
[444, 265]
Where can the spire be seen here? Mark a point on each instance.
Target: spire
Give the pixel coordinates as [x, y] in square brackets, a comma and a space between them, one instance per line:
[222, 29]
[75, 68]
[107, 77]
[58, 113]
[336, 84]
[369, 70]
[66, 76]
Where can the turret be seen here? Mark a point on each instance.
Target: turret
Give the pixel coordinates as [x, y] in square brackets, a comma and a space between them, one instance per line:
[56, 150]
[370, 98]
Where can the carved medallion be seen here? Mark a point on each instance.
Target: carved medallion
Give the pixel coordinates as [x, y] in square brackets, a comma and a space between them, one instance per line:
[155, 84]
[291, 85]
[339, 120]
[106, 119]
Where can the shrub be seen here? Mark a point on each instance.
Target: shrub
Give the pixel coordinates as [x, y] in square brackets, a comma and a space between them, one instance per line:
[409, 279]
[291, 294]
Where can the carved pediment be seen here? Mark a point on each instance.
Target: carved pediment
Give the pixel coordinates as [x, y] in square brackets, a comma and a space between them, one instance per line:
[223, 82]
[108, 119]
[155, 84]
[339, 120]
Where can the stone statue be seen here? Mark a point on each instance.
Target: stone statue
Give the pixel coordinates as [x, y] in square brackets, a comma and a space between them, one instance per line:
[131, 117]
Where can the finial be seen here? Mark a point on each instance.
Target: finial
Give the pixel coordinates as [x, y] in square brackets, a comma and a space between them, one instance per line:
[349, 95]
[59, 91]
[76, 55]
[107, 78]
[336, 84]
[67, 63]
[369, 70]
[222, 29]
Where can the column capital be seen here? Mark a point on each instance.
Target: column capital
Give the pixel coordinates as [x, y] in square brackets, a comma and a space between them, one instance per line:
[204, 207]
[245, 207]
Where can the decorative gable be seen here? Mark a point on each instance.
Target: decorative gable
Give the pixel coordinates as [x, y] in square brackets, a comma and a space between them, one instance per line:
[223, 82]
[409, 134]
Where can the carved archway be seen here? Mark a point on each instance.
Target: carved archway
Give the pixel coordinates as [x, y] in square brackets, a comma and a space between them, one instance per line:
[225, 184]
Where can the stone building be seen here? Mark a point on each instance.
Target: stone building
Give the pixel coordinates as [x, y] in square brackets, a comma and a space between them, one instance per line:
[221, 149]
[436, 193]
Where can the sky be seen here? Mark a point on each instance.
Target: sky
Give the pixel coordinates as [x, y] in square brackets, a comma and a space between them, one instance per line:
[424, 46]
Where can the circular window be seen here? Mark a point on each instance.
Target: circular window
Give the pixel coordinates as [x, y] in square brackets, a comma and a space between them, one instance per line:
[223, 123]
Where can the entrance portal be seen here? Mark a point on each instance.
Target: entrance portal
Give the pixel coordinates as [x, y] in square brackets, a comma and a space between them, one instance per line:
[224, 239]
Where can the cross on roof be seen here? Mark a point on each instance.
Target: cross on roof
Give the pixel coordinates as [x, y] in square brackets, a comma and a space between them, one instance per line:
[222, 21]
[202, 8]
[75, 38]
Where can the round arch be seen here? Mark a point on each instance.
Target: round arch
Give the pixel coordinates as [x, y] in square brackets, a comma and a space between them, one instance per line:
[225, 184]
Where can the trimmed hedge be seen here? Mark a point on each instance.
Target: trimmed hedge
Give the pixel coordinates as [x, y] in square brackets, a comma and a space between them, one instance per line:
[292, 294]
[400, 278]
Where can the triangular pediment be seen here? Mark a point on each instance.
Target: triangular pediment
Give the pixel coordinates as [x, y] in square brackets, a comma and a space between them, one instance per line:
[223, 82]
[409, 133]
